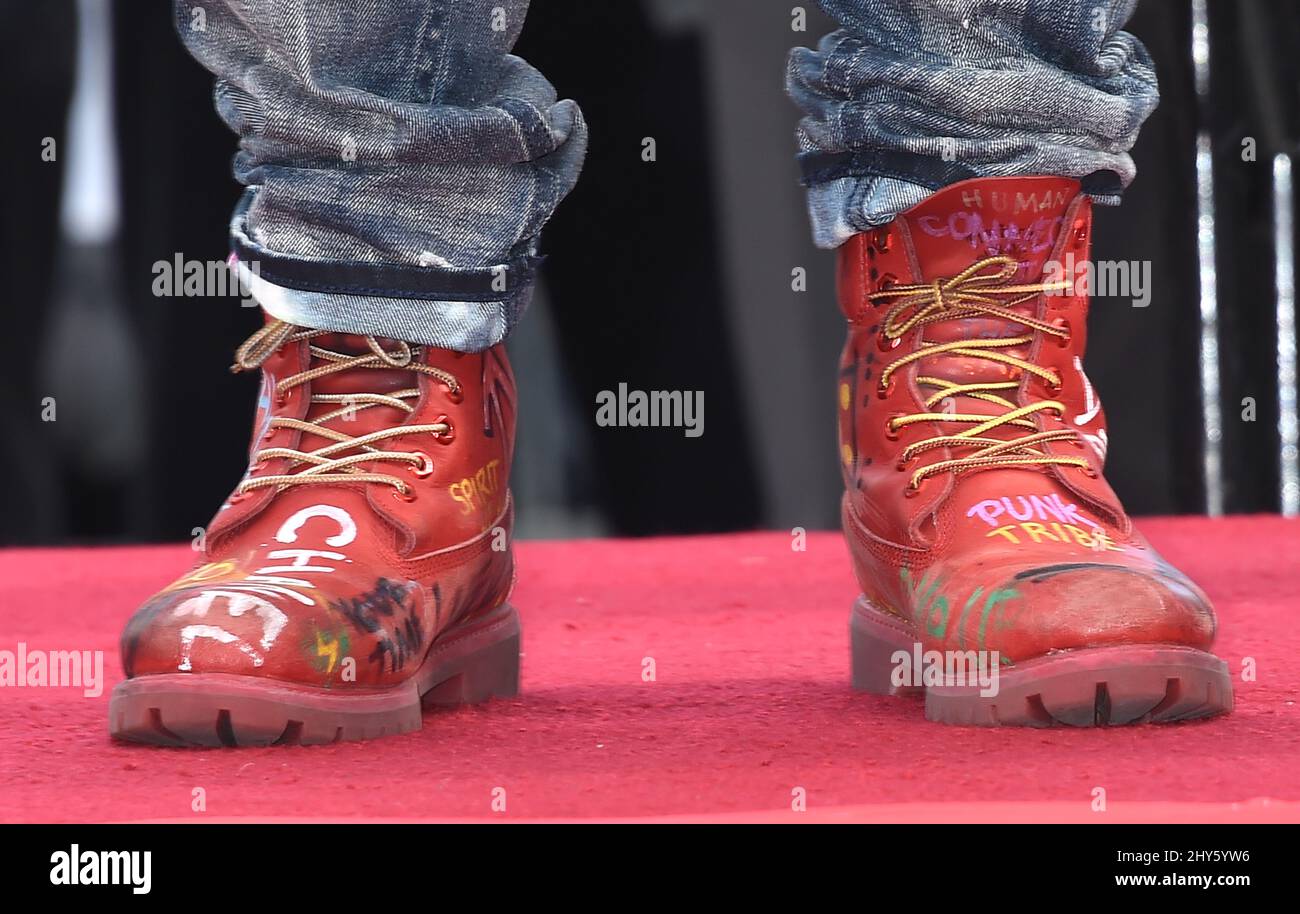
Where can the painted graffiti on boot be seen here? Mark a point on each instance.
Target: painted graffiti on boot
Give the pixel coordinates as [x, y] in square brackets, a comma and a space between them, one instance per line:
[285, 576]
[481, 493]
[327, 650]
[403, 643]
[996, 237]
[932, 602]
[237, 603]
[389, 613]
[1038, 519]
[854, 378]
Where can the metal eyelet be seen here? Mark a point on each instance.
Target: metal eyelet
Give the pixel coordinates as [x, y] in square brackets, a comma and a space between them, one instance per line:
[425, 468]
[882, 239]
[1062, 324]
[454, 395]
[406, 497]
[449, 435]
[890, 432]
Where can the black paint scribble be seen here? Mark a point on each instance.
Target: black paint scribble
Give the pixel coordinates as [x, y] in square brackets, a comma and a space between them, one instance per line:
[384, 612]
[368, 611]
[401, 645]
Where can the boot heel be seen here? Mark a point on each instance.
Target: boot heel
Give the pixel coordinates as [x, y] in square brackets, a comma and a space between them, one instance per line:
[490, 671]
[874, 637]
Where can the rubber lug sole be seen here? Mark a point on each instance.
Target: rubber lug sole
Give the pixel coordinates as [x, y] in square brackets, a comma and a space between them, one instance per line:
[1092, 687]
[463, 667]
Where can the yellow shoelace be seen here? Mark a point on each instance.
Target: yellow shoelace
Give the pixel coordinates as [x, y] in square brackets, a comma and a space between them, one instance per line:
[326, 464]
[978, 291]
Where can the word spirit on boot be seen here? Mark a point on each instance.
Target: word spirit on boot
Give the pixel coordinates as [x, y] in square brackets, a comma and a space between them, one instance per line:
[682, 409]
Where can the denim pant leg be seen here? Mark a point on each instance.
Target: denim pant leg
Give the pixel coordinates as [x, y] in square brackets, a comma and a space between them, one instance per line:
[399, 161]
[908, 96]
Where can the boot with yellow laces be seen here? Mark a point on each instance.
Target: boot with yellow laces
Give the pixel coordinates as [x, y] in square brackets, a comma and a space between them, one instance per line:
[360, 569]
[1000, 573]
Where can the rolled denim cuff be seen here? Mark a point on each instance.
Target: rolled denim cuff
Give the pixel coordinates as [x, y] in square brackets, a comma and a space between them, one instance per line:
[910, 96]
[400, 162]
[463, 310]
[842, 208]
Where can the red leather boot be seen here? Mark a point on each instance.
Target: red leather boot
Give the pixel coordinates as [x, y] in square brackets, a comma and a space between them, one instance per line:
[975, 512]
[362, 565]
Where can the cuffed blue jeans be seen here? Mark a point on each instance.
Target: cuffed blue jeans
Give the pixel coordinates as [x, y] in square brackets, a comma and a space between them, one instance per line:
[400, 162]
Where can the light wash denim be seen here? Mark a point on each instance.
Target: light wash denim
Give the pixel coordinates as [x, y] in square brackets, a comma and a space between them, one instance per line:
[399, 161]
[912, 95]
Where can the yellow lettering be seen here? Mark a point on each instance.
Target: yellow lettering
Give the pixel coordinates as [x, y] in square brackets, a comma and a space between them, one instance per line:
[467, 506]
[1005, 531]
[477, 492]
[1037, 531]
[1080, 536]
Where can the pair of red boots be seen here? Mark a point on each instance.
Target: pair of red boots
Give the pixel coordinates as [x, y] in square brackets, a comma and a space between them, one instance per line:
[362, 567]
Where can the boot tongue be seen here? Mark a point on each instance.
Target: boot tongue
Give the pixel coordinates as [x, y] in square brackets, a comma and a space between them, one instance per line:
[364, 419]
[988, 217]
[1020, 218]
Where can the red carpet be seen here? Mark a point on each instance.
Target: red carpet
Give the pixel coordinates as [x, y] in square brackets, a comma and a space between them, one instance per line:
[750, 701]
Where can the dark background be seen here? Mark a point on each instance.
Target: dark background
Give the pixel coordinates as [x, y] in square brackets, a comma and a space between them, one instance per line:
[152, 429]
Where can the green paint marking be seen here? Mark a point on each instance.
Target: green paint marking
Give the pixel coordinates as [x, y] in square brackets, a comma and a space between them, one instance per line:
[961, 621]
[933, 608]
[905, 575]
[325, 649]
[940, 608]
[930, 607]
[1002, 595]
[929, 596]
[912, 588]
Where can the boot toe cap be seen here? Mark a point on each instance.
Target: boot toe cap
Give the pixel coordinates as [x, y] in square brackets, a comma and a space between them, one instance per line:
[236, 632]
[1084, 605]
